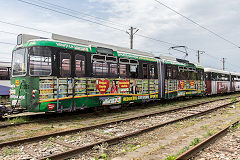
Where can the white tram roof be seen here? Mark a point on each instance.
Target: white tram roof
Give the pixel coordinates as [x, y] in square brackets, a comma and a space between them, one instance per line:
[235, 73]
[216, 70]
[97, 44]
[5, 64]
[173, 60]
[61, 38]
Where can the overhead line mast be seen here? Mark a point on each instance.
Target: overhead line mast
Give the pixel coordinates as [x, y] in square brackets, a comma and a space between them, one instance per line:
[131, 34]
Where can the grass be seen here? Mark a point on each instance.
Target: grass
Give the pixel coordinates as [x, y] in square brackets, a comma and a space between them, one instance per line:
[8, 151]
[18, 120]
[234, 99]
[193, 143]
[209, 133]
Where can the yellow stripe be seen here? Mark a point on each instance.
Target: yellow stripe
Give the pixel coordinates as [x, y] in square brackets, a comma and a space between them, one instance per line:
[183, 90]
[95, 95]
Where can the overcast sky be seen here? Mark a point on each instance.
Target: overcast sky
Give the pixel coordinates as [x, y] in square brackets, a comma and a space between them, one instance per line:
[152, 20]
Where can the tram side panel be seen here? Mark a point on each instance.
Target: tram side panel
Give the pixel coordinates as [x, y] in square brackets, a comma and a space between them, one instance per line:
[237, 86]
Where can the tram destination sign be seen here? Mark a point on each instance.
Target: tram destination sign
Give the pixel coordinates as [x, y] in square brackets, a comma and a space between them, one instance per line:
[58, 44]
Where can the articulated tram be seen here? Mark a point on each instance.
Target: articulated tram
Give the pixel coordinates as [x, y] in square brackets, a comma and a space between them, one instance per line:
[66, 74]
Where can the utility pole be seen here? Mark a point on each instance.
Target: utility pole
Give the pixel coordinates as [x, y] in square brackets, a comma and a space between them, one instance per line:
[198, 55]
[223, 60]
[131, 36]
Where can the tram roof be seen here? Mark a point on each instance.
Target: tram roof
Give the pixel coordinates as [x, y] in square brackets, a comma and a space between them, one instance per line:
[216, 70]
[83, 45]
[5, 64]
[235, 73]
[175, 61]
[97, 44]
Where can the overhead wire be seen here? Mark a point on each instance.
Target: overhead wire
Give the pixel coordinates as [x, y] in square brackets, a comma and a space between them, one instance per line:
[14, 24]
[82, 13]
[7, 43]
[9, 32]
[210, 31]
[140, 35]
[80, 18]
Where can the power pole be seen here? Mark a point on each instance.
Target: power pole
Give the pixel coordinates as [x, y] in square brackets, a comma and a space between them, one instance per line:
[131, 36]
[198, 55]
[223, 60]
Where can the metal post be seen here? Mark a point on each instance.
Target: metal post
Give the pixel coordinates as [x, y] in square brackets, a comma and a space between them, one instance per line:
[223, 64]
[198, 55]
[131, 36]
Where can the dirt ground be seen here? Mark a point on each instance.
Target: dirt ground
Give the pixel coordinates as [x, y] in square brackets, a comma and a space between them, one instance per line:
[169, 140]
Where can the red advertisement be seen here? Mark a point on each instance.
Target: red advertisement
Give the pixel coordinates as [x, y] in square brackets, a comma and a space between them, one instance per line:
[102, 85]
[222, 87]
[181, 84]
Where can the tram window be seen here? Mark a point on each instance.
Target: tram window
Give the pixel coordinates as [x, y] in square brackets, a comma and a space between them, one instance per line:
[133, 71]
[169, 73]
[80, 65]
[124, 61]
[145, 71]
[192, 75]
[152, 72]
[174, 72]
[182, 75]
[40, 61]
[113, 70]
[65, 65]
[123, 70]
[111, 59]
[98, 57]
[100, 68]
[133, 61]
[4, 73]
[214, 76]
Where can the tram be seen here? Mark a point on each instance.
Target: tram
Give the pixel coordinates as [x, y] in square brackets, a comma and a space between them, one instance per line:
[65, 74]
[5, 74]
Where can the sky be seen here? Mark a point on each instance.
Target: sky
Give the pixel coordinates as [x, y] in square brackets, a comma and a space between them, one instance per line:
[107, 21]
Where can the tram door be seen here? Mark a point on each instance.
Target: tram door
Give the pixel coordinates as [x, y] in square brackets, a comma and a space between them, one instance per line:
[161, 85]
[65, 83]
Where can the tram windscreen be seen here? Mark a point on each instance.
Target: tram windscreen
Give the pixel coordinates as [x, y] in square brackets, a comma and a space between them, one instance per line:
[40, 63]
[19, 62]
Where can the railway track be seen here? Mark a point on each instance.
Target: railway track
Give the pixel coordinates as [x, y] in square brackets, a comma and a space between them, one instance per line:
[4, 125]
[196, 149]
[68, 143]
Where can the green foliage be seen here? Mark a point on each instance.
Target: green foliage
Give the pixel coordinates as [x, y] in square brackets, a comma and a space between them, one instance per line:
[171, 157]
[234, 99]
[103, 156]
[9, 151]
[195, 142]
[174, 156]
[18, 120]
[209, 133]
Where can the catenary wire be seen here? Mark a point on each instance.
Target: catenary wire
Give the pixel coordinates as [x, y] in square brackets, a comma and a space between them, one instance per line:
[92, 22]
[60, 12]
[7, 43]
[85, 14]
[9, 32]
[14, 24]
[210, 31]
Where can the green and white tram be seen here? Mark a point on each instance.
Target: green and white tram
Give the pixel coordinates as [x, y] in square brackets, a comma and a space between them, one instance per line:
[66, 74]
